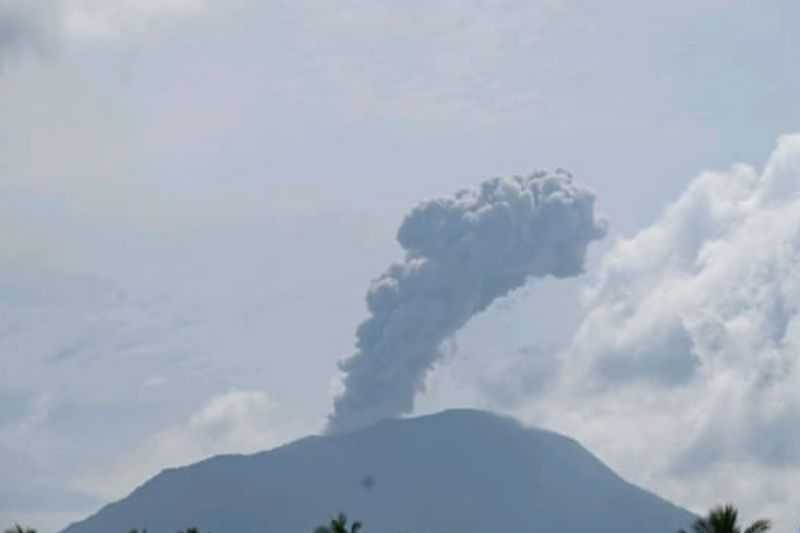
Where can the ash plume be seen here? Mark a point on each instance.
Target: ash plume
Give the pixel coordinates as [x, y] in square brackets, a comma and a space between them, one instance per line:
[462, 253]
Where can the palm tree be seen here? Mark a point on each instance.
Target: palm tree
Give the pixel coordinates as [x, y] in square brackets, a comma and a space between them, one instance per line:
[724, 519]
[19, 529]
[189, 530]
[339, 525]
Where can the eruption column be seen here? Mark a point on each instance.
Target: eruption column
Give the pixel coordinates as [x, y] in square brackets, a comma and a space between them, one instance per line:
[462, 253]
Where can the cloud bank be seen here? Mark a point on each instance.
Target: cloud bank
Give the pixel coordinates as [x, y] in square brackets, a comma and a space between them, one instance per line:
[703, 307]
[462, 253]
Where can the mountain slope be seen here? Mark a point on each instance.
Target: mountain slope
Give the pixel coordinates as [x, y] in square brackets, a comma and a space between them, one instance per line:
[458, 471]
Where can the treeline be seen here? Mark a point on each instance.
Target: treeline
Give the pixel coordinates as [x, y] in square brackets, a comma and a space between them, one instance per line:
[722, 519]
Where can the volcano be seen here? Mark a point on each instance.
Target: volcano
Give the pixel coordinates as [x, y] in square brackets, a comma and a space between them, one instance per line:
[459, 471]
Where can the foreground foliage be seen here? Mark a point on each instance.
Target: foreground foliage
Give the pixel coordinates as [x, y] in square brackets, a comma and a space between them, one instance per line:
[724, 519]
[339, 525]
[19, 529]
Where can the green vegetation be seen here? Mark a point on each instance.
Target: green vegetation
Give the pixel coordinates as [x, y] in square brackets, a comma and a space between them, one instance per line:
[19, 529]
[189, 530]
[724, 519]
[339, 525]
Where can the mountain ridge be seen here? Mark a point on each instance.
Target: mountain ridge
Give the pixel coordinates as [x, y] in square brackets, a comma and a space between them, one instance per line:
[458, 470]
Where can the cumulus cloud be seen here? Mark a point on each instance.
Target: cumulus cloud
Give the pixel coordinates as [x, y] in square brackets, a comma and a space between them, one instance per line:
[237, 421]
[462, 253]
[236, 417]
[232, 422]
[706, 303]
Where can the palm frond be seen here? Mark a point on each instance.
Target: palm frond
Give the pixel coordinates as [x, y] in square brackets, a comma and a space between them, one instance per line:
[724, 519]
[702, 525]
[19, 529]
[759, 526]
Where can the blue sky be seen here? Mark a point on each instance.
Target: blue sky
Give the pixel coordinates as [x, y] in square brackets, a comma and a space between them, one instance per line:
[195, 195]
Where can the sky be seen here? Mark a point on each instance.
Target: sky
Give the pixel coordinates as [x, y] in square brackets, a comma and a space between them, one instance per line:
[196, 194]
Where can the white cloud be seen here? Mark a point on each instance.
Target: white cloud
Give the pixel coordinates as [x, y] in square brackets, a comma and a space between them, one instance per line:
[236, 418]
[233, 422]
[686, 365]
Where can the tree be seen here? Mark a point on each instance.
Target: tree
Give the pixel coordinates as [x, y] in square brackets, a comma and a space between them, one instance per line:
[724, 519]
[189, 530]
[339, 525]
[19, 529]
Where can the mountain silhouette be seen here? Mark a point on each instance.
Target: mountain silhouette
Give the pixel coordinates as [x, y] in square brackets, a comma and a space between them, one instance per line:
[459, 471]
